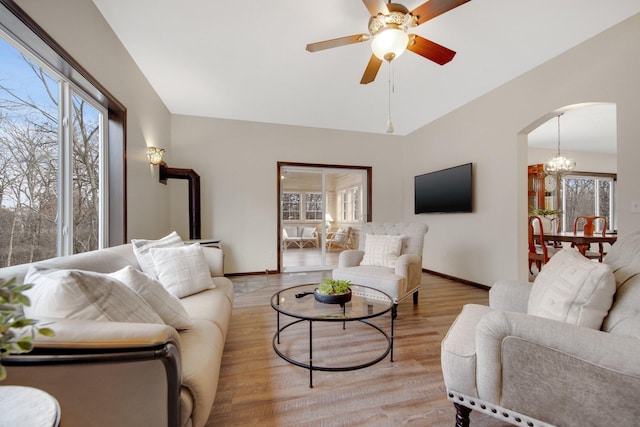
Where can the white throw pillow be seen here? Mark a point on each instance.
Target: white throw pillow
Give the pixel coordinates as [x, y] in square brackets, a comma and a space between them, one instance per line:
[76, 294]
[142, 247]
[183, 270]
[382, 250]
[573, 289]
[167, 306]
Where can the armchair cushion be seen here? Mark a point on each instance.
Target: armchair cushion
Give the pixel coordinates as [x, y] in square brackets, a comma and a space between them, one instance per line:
[382, 250]
[572, 289]
[382, 278]
[86, 295]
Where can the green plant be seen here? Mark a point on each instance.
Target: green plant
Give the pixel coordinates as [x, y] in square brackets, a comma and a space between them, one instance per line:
[329, 286]
[16, 331]
[545, 212]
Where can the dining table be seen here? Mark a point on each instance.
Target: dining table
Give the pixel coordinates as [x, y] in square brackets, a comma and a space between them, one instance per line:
[579, 239]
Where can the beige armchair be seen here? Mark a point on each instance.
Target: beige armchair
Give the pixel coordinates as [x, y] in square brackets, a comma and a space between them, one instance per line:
[530, 370]
[388, 258]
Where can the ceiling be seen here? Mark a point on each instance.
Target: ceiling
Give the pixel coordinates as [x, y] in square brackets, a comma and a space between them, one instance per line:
[246, 59]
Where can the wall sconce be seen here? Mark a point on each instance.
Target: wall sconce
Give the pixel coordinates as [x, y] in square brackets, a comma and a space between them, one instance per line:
[155, 155]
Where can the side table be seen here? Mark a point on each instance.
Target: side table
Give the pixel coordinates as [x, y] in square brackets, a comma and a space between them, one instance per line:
[27, 407]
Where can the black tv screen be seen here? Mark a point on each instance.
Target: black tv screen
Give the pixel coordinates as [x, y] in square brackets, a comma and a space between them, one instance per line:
[443, 191]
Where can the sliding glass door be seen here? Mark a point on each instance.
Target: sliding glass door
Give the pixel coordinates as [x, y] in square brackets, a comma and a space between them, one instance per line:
[321, 211]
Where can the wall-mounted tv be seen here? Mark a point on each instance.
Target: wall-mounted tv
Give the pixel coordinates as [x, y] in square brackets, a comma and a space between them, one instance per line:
[444, 191]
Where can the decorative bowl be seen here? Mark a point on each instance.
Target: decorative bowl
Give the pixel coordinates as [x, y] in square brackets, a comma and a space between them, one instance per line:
[332, 298]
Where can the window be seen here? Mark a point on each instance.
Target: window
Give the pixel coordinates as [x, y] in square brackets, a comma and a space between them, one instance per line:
[54, 166]
[313, 206]
[50, 174]
[588, 195]
[351, 204]
[291, 206]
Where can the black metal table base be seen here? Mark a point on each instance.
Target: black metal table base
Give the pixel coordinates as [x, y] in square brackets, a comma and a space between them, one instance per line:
[311, 367]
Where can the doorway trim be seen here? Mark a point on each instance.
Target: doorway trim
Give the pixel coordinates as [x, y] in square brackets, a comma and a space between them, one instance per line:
[369, 180]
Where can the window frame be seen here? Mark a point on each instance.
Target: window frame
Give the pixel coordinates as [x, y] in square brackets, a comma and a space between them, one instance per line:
[597, 177]
[30, 36]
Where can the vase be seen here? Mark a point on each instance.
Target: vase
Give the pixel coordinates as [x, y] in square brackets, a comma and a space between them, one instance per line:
[589, 226]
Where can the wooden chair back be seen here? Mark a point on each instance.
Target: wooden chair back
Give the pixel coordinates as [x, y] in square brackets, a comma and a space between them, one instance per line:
[538, 252]
[589, 221]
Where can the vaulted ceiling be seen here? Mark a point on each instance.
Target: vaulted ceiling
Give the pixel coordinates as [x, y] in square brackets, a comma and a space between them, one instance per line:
[246, 59]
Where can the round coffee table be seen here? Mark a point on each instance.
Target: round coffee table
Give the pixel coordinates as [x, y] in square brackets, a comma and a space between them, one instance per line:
[299, 303]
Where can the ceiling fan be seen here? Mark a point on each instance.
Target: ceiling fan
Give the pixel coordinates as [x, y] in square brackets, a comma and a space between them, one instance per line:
[388, 27]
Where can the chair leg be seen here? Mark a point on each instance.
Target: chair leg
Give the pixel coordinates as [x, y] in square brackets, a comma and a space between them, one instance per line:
[394, 311]
[415, 298]
[462, 415]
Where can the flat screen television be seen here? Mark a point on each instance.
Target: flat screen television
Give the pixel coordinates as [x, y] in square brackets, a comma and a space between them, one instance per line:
[444, 191]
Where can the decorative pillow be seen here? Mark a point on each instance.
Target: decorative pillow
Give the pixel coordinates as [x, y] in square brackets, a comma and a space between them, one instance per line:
[76, 294]
[141, 250]
[183, 270]
[340, 236]
[307, 232]
[573, 289]
[382, 250]
[163, 303]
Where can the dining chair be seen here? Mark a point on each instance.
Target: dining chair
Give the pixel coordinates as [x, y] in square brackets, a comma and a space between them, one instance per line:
[539, 251]
[590, 223]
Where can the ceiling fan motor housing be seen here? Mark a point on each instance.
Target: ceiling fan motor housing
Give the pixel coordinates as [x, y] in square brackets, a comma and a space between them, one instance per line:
[398, 17]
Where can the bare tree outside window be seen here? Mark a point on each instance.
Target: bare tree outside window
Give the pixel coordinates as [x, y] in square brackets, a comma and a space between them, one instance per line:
[31, 176]
[587, 196]
[291, 206]
[313, 206]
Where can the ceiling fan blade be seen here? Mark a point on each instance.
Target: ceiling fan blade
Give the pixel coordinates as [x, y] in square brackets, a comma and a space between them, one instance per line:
[430, 50]
[376, 6]
[433, 8]
[372, 70]
[340, 41]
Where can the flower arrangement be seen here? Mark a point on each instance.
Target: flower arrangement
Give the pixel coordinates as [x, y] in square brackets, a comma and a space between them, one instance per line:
[16, 331]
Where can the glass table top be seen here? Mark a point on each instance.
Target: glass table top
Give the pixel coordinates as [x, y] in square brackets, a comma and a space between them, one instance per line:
[299, 302]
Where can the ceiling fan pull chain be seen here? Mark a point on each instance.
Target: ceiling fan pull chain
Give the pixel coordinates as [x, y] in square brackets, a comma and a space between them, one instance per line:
[391, 89]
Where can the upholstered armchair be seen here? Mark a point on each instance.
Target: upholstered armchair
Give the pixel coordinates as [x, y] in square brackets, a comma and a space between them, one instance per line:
[564, 351]
[388, 258]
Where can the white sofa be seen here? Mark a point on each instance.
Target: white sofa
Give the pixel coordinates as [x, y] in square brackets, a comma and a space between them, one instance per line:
[129, 374]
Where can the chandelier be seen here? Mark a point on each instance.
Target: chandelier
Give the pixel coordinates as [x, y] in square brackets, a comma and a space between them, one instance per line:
[559, 164]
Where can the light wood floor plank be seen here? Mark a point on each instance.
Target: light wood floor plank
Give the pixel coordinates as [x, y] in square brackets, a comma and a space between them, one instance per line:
[258, 388]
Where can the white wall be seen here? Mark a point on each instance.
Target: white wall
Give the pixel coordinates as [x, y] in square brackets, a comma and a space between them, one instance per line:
[237, 160]
[237, 164]
[80, 29]
[490, 243]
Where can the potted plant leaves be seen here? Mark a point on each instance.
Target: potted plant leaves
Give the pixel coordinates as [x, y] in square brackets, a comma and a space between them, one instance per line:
[16, 331]
[331, 291]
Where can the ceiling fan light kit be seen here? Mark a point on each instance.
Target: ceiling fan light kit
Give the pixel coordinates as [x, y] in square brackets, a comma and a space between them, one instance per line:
[389, 43]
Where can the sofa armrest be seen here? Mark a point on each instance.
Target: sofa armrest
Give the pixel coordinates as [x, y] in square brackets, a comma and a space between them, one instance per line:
[350, 258]
[91, 334]
[550, 348]
[90, 365]
[509, 295]
[215, 259]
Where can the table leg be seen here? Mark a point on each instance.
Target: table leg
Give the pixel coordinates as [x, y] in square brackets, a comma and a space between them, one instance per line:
[310, 353]
[582, 248]
[393, 316]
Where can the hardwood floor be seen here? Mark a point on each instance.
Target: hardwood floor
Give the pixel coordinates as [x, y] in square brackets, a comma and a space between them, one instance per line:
[256, 387]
